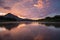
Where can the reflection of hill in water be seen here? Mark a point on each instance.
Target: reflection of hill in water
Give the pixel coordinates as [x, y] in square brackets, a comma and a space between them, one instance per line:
[57, 25]
[9, 26]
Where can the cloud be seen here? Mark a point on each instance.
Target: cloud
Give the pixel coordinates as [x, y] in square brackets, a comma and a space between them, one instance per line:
[1, 3]
[42, 4]
[8, 8]
[30, 8]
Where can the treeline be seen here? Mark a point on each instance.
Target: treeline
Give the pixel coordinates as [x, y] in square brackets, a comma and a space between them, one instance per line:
[51, 19]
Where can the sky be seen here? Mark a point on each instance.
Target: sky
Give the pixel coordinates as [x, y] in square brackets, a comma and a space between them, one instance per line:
[30, 8]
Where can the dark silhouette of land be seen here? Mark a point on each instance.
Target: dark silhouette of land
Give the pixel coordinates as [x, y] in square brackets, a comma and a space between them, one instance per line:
[8, 20]
[10, 17]
[51, 19]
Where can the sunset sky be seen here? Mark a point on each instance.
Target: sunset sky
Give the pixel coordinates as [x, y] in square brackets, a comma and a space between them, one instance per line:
[30, 8]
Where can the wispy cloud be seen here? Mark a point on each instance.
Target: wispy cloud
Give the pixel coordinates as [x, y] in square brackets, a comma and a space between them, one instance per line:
[30, 8]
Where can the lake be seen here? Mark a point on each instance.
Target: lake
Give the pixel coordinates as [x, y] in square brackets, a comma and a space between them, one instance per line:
[29, 31]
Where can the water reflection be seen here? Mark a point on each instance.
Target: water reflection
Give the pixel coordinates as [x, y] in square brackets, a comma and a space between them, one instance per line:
[57, 25]
[29, 31]
[11, 25]
[8, 26]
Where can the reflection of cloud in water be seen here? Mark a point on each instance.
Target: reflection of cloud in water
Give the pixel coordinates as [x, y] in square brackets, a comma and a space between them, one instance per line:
[2, 29]
[30, 32]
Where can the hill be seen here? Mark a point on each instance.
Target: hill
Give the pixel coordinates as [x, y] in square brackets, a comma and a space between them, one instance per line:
[51, 19]
[11, 17]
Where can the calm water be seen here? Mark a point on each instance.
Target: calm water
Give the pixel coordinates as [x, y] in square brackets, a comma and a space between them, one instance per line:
[29, 31]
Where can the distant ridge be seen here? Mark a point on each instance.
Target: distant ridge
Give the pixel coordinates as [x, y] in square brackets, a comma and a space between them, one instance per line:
[11, 17]
[56, 18]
